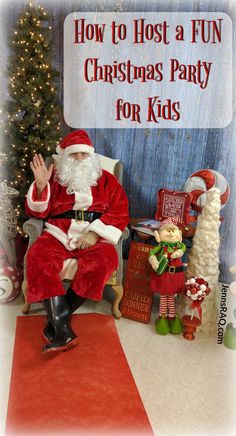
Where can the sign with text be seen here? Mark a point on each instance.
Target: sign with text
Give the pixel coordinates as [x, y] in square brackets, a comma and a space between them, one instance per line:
[147, 70]
[226, 326]
[137, 300]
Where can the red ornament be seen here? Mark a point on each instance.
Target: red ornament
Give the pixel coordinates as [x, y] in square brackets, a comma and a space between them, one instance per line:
[10, 283]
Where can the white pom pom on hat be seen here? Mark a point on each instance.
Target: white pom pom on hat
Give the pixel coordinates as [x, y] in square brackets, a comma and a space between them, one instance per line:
[75, 142]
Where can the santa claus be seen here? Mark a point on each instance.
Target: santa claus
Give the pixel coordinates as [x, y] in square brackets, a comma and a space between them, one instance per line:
[86, 210]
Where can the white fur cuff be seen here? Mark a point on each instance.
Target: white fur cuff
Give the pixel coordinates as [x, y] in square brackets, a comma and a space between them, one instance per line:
[37, 206]
[110, 233]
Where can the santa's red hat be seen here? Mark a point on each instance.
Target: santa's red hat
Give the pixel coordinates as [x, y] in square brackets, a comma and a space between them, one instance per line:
[75, 142]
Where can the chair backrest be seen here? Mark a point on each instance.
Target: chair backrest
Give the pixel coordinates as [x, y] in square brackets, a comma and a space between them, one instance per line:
[113, 166]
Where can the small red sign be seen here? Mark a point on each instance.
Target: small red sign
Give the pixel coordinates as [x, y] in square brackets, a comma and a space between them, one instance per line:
[137, 300]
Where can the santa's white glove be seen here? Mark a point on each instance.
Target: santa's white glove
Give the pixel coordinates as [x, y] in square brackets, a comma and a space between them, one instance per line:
[177, 254]
[153, 261]
[87, 240]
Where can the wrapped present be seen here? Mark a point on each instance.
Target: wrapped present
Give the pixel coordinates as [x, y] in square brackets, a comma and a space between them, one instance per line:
[163, 262]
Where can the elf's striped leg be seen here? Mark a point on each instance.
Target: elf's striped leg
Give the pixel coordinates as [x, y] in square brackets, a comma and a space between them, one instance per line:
[163, 305]
[171, 306]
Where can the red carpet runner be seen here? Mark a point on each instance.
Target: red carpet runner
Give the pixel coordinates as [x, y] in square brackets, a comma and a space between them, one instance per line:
[86, 390]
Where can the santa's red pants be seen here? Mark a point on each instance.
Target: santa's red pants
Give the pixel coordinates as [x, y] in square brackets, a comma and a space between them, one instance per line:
[45, 260]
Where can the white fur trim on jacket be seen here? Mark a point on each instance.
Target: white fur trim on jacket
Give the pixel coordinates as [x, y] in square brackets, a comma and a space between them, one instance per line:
[70, 239]
[37, 206]
[83, 199]
[75, 148]
[110, 233]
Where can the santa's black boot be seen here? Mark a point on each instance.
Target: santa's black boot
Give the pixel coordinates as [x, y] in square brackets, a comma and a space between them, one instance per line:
[59, 313]
[75, 301]
[48, 331]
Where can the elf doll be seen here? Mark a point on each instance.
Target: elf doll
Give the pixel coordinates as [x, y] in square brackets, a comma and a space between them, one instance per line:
[167, 277]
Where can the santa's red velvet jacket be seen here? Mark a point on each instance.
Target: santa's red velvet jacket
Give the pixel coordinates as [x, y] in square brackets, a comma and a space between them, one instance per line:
[108, 197]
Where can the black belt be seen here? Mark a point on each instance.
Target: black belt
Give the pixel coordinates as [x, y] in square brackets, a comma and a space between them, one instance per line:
[78, 215]
[175, 269]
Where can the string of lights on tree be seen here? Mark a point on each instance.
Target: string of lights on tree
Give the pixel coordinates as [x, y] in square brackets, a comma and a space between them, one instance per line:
[32, 113]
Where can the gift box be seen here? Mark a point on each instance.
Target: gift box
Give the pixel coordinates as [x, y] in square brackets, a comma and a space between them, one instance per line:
[163, 262]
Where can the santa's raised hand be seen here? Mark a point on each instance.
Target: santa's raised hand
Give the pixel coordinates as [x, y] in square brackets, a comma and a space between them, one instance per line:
[42, 174]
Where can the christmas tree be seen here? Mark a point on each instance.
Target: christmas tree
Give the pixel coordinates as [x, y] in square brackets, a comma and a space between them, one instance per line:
[33, 112]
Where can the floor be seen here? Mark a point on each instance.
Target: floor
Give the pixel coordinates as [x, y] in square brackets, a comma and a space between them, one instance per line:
[188, 388]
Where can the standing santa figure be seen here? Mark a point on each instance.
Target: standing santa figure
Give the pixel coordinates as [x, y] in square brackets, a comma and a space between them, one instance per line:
[86, 210]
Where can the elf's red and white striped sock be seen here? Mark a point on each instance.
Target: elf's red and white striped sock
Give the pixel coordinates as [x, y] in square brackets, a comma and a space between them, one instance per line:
[163, 305]
[171, 306]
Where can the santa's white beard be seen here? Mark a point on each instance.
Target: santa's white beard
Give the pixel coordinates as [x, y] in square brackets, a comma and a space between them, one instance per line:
[77, 175]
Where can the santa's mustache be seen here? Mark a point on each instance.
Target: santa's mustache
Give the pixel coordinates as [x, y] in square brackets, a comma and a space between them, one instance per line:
[77, 175]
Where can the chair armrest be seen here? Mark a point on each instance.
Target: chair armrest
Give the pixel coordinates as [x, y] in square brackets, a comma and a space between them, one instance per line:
[33, 227]
[125, 234]
[118, 246]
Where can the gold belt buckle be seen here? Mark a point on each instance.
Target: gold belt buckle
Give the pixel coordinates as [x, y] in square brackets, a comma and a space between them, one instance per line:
[76, 215]
[172, 269]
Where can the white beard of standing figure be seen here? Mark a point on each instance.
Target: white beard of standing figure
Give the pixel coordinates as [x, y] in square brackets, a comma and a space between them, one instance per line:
[77, 175]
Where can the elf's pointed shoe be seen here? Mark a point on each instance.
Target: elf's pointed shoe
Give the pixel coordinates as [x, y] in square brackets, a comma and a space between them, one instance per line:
[75, 301]
[176, 326]
[162, 326]
[59, 313]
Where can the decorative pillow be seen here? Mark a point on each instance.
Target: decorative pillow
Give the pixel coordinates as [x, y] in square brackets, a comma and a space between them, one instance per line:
[173, 204]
